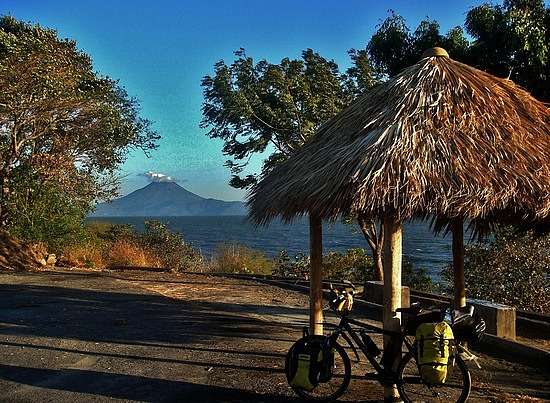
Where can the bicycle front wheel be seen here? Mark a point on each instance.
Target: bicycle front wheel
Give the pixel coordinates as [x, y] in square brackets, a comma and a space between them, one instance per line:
[412, 388]
[331, 389]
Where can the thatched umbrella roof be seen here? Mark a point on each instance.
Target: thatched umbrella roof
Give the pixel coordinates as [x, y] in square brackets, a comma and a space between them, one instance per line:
[439, 139]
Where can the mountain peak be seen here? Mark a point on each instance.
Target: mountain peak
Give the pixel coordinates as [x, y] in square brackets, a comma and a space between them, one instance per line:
[163, 184]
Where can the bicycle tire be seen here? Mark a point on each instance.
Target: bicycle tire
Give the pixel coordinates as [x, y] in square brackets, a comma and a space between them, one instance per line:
[345, 379]
[459, 362]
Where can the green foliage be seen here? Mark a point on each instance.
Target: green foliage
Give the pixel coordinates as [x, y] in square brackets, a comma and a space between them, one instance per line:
[513, 40]
[235, 258]
[416, 278]
[354, 265]
[257, 107]
[508, 40]
[394, 47]
[169, 247]
[44, 213]
[511, 269]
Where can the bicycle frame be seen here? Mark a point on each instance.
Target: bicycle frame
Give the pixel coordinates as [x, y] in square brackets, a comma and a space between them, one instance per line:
[345, 329]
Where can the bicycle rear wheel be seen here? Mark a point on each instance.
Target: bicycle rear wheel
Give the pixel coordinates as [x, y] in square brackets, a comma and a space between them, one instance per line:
[333, 388]
[412, 389]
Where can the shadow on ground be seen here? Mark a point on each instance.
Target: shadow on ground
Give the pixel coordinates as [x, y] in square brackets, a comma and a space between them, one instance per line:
[129, 387]
[122, 317]
[38, 319]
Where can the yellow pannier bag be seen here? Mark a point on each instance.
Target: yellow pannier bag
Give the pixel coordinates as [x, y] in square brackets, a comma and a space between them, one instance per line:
[301, 377]
[433, 340]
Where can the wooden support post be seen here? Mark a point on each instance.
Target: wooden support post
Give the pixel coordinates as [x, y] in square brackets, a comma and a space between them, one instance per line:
[315, 276]
[457, 227]
[392, 298]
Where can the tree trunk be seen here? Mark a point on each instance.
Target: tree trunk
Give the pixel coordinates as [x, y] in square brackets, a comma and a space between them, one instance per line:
[316, 280]
[3, 195]
[375, 239]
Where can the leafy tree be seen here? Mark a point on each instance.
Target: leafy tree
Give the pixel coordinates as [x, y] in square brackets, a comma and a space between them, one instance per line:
[58, 117]
[513, 40]
[394, 47]
[258, 107]
[509, 40]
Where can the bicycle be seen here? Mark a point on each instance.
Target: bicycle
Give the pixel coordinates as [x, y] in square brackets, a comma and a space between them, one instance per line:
[407, 378]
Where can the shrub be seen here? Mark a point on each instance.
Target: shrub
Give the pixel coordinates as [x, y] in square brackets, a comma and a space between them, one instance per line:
[43, 212]
[287, 267]
[235, 258]
[416, 278]
[170, 248]
[107, 244]
[354, 265]
[511, 269]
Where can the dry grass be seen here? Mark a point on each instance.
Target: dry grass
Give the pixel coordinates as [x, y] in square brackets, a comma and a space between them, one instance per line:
[18, 255]
[101, 255]
[439, 139]
[88, 255]
[235, 258]
[127, 253]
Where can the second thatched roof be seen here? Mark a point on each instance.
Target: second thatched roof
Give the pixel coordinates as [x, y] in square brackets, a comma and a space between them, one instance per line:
[439, 139]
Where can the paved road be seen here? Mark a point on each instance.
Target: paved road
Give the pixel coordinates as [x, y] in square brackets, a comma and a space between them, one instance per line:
[156, 337]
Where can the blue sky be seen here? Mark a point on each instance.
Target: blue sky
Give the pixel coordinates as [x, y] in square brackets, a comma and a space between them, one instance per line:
[160, 50]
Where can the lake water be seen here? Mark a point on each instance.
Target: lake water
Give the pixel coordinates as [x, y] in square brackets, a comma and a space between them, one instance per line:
[421, 247]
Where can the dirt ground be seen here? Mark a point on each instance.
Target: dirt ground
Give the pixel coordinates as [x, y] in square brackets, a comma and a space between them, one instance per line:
[141, 336]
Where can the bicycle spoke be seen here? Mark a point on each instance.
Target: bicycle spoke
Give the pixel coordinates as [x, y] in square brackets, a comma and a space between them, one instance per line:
[414, 389]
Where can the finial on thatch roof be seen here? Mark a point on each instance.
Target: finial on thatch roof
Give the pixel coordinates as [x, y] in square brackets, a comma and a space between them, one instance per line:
[435, 52]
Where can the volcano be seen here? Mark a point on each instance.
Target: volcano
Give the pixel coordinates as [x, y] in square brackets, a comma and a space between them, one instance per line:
[162, 199]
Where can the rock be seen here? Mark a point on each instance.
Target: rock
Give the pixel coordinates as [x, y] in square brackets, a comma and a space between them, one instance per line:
[51, 260]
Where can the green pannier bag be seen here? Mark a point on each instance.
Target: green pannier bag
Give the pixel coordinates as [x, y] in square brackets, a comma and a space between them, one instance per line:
[307, 365]
[433, 340]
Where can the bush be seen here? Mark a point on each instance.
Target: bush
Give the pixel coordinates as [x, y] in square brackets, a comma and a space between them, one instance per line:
[43, 212]
[511, 269]
[170, 248]
[235, 258]
[416, 278]
[107, 244]
[287, 267]
[354, 265]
